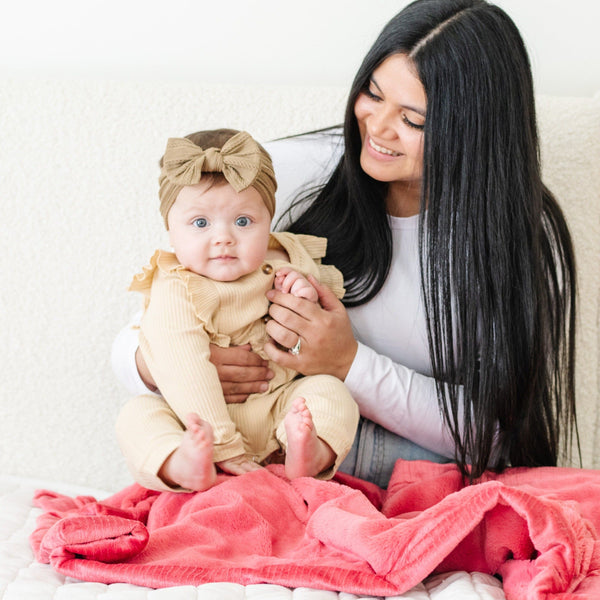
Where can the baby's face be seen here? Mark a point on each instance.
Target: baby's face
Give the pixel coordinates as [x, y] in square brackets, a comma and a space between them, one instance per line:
[218, 232]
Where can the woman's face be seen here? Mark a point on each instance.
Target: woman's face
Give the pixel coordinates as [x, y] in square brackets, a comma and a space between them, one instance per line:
[390, 113]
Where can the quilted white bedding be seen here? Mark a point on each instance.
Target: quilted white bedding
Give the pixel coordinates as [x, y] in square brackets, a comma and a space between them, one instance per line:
[22, 578]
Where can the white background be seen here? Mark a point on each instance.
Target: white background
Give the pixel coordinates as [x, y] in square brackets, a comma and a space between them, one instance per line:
[280, 42]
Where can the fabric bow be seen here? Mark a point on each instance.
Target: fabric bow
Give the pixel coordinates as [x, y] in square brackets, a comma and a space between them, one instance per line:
[242, 161]
[239, 160]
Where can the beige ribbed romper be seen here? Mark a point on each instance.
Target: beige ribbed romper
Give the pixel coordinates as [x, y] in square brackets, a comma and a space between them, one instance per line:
[184, 313]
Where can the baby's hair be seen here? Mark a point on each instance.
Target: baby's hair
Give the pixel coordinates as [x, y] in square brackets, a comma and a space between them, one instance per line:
[214, 138]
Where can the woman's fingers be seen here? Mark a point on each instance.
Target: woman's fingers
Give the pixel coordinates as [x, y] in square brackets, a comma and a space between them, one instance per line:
[297, 310]
[284, 335]
[243, 389]
[235, 355]
[327, 299]
[241, 372]
[284, 358]
[243, 376]
[327, 343]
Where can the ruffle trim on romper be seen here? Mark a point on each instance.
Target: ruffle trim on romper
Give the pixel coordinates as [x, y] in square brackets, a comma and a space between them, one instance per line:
[306, 252]
[201, 292]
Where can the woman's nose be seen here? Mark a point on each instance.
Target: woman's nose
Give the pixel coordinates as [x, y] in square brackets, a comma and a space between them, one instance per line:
[380, 124]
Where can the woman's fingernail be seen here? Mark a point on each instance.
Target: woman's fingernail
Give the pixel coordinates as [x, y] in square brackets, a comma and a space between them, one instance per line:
[270, 294]
[264, 387]
[270, 374]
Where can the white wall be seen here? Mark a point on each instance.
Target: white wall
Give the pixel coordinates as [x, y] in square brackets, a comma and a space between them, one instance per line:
[262, 41]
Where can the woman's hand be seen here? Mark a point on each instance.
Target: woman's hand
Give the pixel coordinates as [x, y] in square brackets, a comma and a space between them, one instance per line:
[327, 342]
[241, 372]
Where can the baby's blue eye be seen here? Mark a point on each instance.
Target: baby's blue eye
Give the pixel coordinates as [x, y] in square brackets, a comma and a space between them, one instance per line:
[200, 222]
[242, 221]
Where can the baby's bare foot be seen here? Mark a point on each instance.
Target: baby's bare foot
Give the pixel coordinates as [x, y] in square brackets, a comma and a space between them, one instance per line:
[307, 454]
[191, 465]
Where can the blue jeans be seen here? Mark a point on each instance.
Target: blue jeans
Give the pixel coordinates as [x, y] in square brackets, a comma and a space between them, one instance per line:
[375, 451]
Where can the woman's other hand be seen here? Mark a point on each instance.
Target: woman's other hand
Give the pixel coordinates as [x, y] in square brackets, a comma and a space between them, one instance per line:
[241, 372]
[327, 344]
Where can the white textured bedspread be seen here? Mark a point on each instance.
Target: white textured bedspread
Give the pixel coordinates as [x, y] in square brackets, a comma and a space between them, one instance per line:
[22, 578]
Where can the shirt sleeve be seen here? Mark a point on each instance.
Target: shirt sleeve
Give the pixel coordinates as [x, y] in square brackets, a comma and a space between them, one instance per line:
[399, 399]
[122, 358]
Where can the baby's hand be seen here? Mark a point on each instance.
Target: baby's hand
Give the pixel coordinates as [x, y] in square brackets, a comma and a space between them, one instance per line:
[238, 465]
[291, 282]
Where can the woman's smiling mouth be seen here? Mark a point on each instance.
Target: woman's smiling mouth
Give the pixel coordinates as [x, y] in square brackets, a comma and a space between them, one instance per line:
[381, 149]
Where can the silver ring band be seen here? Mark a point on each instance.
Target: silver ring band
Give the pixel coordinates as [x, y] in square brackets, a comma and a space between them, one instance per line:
[295, 350]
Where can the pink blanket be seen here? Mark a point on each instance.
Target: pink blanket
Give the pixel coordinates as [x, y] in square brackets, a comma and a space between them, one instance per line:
[535, 528]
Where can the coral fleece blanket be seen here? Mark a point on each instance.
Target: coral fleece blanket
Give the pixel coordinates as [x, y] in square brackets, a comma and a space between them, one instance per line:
[535, 528]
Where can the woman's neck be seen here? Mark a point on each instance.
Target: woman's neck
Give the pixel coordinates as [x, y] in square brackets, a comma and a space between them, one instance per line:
[404, 198]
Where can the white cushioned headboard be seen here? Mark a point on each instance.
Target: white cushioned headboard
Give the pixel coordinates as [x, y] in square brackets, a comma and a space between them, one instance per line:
[570, 153]
[78, 178]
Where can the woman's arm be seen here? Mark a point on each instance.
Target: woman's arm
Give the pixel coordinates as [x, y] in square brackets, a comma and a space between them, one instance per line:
[390, 394]
[399, 399]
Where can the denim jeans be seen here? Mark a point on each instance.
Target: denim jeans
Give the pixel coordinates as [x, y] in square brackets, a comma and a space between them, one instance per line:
[375, 451]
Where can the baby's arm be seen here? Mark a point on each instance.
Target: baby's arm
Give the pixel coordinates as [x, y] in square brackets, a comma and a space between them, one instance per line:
[176, 349]
[291, 282]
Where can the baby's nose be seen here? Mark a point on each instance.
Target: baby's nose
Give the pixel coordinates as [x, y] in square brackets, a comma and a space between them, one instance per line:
[223, 236]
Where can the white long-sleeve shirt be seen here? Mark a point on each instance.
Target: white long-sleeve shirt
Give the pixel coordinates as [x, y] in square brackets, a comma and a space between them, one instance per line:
[390, 377]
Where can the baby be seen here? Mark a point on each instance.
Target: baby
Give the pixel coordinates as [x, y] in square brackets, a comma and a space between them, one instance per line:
[217, 198]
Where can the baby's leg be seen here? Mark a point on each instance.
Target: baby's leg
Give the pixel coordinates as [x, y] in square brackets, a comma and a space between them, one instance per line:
[191, 466]
[307, 454]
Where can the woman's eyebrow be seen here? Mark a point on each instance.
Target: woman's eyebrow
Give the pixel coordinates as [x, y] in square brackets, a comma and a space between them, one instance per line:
[419, 111]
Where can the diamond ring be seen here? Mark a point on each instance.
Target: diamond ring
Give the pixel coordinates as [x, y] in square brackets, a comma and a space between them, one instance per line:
[295, 350]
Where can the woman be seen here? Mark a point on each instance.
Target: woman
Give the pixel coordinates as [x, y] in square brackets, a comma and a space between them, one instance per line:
[441, 123]
[456, 336]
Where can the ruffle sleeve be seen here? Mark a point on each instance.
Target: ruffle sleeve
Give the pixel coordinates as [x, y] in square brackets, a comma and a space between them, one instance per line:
[165, 270]
[306, 252]
[142, 282]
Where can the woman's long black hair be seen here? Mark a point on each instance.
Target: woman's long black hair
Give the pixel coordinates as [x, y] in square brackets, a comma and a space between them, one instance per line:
[497, 262]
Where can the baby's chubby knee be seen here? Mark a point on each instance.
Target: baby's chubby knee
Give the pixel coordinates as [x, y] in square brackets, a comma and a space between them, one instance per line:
[331, 389]
[130, 413]
[323, 380]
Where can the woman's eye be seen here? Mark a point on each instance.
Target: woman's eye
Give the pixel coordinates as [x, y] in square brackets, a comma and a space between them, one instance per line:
[412, 124]
[242, 221]
[200, 222]
[371, 95]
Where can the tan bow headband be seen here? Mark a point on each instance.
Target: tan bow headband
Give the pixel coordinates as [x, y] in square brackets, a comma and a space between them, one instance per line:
[241, 160]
